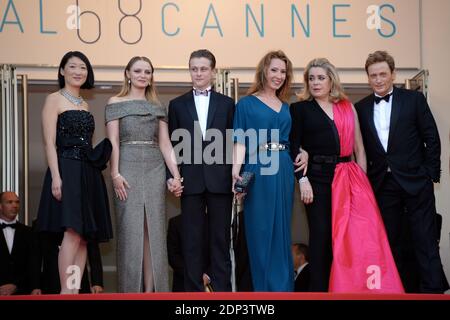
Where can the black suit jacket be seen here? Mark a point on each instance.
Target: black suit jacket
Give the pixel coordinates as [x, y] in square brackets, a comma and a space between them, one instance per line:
[302, 281]
[315, 132]
[414, 148]
[198, 175]
[15, 267]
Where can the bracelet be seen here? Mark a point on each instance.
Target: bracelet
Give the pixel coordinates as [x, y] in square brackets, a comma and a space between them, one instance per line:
[116, 176]
[303, 179]
[179, 179]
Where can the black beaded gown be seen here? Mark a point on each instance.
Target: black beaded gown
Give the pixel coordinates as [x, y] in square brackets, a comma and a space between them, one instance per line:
[84, 204]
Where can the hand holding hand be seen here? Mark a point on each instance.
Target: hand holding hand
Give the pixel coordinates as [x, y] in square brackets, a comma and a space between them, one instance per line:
[175, 186]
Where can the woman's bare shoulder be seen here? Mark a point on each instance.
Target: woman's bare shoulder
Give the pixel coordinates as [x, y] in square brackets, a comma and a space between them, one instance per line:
[116, 99]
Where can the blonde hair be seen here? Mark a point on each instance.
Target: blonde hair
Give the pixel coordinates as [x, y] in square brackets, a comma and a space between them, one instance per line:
[283, 93]
[150, 91]
[336, 93]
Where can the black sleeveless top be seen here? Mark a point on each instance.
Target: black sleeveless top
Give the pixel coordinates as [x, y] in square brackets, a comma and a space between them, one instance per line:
[74, 131]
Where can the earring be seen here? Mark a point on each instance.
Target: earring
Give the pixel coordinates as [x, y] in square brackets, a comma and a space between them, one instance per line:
[129, 81]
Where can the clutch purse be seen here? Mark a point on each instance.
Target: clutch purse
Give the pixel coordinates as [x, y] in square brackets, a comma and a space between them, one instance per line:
[243, 185]
[99, 156]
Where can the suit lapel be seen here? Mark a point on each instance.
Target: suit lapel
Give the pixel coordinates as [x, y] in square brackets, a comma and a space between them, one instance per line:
[17, 239]
[371, 119]
[213, 101]
[395, 114]
[190, 103]
[3, 245]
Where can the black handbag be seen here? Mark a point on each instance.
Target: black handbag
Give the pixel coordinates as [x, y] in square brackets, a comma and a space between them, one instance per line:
[243, 185]
[99, 156]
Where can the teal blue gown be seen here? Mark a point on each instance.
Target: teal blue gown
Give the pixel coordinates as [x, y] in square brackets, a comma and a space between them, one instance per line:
[268, 204]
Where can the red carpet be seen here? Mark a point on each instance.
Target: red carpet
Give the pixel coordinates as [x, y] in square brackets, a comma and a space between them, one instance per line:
[234, 296]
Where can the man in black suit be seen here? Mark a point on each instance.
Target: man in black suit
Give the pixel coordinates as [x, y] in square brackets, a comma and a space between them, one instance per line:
[301, 267]
[200, 119]
[44, 278]
[411, 280]
[242, 264]
[15, 247]
[175, 253]
[403, 160]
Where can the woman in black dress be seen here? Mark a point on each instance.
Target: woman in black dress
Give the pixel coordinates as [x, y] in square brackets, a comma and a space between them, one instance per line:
[313, 129]
[348, 242]
[74, 200]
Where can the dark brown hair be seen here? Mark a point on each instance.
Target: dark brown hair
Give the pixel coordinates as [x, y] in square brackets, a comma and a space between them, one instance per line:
[380, 56]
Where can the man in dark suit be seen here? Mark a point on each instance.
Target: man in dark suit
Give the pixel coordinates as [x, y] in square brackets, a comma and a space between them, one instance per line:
[411, 280]
[200, 119]
[175, 253]
[15, 247]
[44, 278]
[242, 264]
[403, 160]
[301, 267]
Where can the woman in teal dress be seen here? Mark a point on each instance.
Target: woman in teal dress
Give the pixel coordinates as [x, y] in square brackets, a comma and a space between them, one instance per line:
[262, 123]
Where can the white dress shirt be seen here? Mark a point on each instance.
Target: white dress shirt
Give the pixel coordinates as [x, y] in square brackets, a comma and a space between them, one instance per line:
[382, 120]
[9, 234]
[202, 106]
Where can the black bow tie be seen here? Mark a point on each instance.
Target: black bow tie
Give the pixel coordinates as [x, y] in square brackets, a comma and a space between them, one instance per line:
[201, 92]
[385, 98]
[6, 225]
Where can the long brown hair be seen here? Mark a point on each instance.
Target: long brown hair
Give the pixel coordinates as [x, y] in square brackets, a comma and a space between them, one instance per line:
[150, 91]
[283, 93]
[336, 92]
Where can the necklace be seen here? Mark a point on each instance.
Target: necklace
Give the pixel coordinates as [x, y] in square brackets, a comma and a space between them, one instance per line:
[78, 101]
